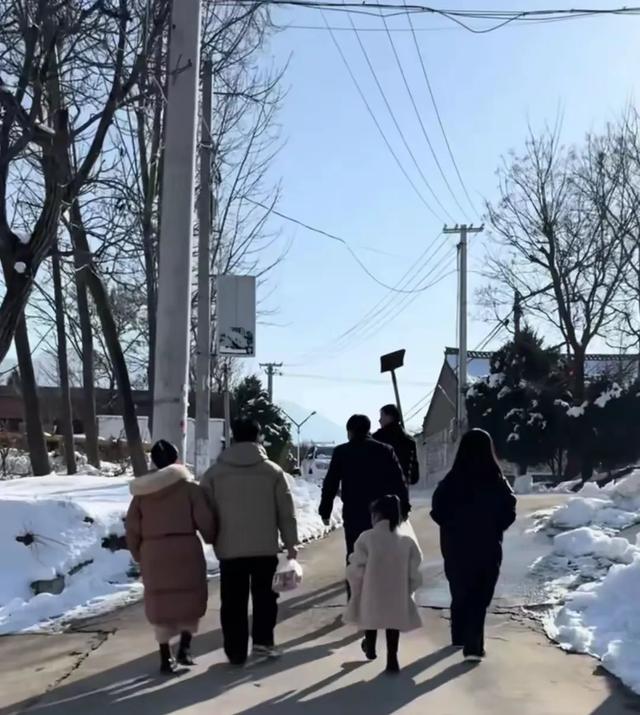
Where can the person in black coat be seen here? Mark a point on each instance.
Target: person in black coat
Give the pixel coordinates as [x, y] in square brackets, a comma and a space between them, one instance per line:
[364, 470]
[473, 505]
[392, 432]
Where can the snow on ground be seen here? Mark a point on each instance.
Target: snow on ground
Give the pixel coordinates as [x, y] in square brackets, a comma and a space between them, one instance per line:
[595, 576]
[603, 620]
[63, 526]
[611, 508]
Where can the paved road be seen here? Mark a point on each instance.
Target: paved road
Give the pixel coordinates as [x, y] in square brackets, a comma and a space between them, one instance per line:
[111, 663]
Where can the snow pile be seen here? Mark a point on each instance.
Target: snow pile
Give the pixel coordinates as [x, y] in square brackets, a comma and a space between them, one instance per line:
[592, 542]
[61, 547]
[603, 620]
[54, 542]
[596, 577]
[611, 508]
[306, 495]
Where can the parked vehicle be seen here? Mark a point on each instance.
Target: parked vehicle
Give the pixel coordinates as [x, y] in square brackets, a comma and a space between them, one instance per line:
[317, 460]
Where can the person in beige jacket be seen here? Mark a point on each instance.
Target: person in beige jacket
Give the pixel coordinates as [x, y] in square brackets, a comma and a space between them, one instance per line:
[253, 507]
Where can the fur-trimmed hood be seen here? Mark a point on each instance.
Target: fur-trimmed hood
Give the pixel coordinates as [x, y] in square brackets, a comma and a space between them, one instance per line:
[159, 480]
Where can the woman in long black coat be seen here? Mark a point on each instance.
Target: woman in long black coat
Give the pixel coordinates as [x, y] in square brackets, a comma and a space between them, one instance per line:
[473, 505]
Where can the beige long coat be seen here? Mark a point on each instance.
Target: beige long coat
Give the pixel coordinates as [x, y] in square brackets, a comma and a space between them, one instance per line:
[167, 510]
[384, 573]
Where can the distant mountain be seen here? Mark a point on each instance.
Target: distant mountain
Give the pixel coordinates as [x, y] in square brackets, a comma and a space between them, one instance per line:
[318, 429]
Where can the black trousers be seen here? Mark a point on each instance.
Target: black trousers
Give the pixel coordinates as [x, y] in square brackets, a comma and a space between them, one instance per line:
[352, 531]
[472, 584]
[238, 578]
[393, 641]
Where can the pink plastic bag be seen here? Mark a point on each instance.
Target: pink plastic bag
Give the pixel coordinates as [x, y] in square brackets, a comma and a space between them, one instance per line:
[288, 576]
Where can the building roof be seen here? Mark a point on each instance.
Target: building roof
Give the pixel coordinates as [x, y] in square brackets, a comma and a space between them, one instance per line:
[478, 363]
[442, 405]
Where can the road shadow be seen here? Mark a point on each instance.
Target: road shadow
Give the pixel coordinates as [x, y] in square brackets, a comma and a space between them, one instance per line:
[110, 687]
[384, 695]
[621, 700]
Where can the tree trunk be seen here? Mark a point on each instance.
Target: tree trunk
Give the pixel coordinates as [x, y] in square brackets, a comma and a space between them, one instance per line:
[35, 434]
[63, 366]
[88, 375]
[112, 341]
[95, 285]
[579, 356]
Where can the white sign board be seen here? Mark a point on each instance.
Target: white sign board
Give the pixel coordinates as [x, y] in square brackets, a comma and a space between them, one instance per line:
[236, 308]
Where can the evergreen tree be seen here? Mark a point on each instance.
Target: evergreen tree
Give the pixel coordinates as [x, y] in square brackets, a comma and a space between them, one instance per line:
[251, 401]
[516, 403]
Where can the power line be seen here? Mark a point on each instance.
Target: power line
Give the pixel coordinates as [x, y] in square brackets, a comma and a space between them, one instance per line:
[342, 341]
[437, 111]
[335, 28]
[417, 111]
[501, 18]
[415, 409]
[375, 120]
[392, 113]
[388, 300]
[391, 312]
[333, 237]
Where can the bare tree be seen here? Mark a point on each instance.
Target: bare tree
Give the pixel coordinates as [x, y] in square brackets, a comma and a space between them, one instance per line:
[63, 56]
[561, 227]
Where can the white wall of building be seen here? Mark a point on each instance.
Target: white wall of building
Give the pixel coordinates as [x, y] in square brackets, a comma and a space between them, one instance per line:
[112, 427]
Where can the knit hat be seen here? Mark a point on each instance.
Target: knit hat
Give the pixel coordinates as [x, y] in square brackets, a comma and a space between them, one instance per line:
[164, 454]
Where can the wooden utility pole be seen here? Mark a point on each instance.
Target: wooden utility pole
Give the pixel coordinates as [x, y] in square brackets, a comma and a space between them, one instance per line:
[271, 368]
[171, 385]
[517, 314]
[463, 231]
[205, 219]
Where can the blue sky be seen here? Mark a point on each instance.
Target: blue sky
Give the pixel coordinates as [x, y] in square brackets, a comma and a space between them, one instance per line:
[338, 175]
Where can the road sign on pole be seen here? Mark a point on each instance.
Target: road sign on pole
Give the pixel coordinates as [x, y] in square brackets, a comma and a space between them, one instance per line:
[236, 325]
[390, 363]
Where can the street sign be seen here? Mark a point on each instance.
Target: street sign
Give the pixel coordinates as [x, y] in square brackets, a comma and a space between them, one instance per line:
[236, 308]
[390, 363]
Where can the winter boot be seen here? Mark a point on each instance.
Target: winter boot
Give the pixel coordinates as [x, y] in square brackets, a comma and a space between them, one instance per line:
[167, 663]
[392, 664]
[368, 645]
[393, 639]
[184, 649]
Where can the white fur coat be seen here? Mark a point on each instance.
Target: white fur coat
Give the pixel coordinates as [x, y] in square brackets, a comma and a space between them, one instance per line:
[384, 573]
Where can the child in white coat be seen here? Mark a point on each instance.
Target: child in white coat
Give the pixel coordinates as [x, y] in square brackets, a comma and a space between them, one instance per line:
[384, 573]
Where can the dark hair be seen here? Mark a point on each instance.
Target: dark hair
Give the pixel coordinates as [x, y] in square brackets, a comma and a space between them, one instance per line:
[476, 457]
[388, 507]
[392, 411]
[359, 426]
[164, 454]
[246, 430]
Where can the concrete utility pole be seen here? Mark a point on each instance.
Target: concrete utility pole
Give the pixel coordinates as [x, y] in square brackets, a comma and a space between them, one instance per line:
[227, 407]
[463, 230]
[205, 218]
[271, 368]
[176, 235]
